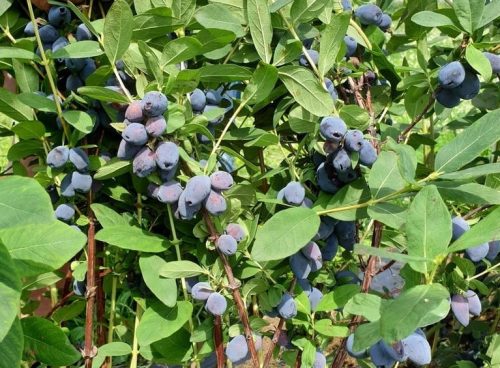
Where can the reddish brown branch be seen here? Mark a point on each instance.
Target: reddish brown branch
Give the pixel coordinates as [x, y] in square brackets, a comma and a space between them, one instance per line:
[101, 303]
[418, 117]
[219, 342]
[475, 211]
[60, 303]
[233, 285]
[298, 359]
[386, 267]
[357, 94]
[89, 351]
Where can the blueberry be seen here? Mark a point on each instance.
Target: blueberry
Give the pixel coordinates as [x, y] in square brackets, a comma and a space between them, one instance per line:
[227, 162]
[133, 113]
[221, 180]
[331, 247]
[448, 98]
[331, 89]
[83, 33]
[87, 69]
[79, 287]
[494, 249]
[300, 265]
[156, 126]
[477, 253]
[324, 182]
[29, 30]
[236, 231]
[237, 349]
[341, 161]
[312, 252]
[294, 193]
[67, 189]
[305, 285]
[201, 291]
[326, 227]
[197, 189]
[346, 5]
[353, 140]
[198, 100]
[75, 65]
[227, 244]
[451, 75]
[152, 191]
[168, 175]
[351, 46]
[287, 308]
[59, 16]
[135, 133]
[65, 212]
[216, 304]
[369, 14]
[215, 203]
[492, 58]
[79, 158]
[314, 298]
[385, 22]
[347, 176]
[58, 157]
[120, 64]
[144, 163]
[460, 308]
[59, 43]
[319, 360]
[48, 34]
[459, 227]
[469, 88]
[346, 277]
[213, 96]
[73, 82]
[395, 350]
[154, 104]
[214, 121]
[379, 355]
[127, 151]
[367, 154]
[167, 155]
[313, 55]
[417, 349]
[350, 350]
[185, 210]
[474, 302]
[169, 192]
[346, 234]
[307, 203]
[81, 182]
[333, 128]
[370, 77]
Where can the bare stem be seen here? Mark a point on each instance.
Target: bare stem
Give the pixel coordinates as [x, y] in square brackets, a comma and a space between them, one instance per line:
[88, 351]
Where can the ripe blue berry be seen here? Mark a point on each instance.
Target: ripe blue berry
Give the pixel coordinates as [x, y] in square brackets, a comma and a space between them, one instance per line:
[59, 16]
[65, 212]
[492, 58]
[494, 249]
[154, 104]
[29, 30]
[314, 298]
[75, 65]
[216, 304]
[474, 302]
[451, 75]
[198, 100]
[83, 33]
[221, 180]
[379, 355]
[81, 182]
[215, 203]
[287, 308]
[367, 154]
[133, 113]
[460, 308]
[300, 265]
[448, 98]
[48, 34]
[331, 247]
[156, 126]
[144, 163]
[169, 192]
[58, 157]
[324, 182]
[59, 43]
[351, 351]
[346, 234]
[236, 231]
[417, 349]
[469, 88]
[459, 227]
[67, 189]
[326, 227]
[369, 14]
[79, 158]
[313, 55]
[185, 210]
[237, 350]
[351, 46]
[127, 151]
[341, 161]
[385, 22]
[73, 82]
[294, 193]
[477, 253]
[227, 244]
[201, 291]
[167, 155]
[197, 189]
[353, 140]
[135, 133]
[333, 128]
[87, 69]
[213, 96]
[79, 288]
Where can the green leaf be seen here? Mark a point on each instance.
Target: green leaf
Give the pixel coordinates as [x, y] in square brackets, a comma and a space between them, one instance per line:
[26, 76]
[79, 120]
[383, 253]
[80, 49]
[469, 193]
[224, 73]
[11, 347]
[150, 25]
[354, 116]
[178, 269]
[4, 6]
[117, 32]
[326, 327]
[175, 348]
[29, 129]
[24, 149]
[113, 168]
[180, 49]
[285, 234]
[262, 83]
[133, 238]
[108, 350]
[219, 17]
[308, 354]
[11, 106]
[47, 343]
[68, 312]
[184, 10]
[38, 102]
[407, 159]
[431, 19]
[306, 90]
[337, 298]
[473, 172]
[366, 305]
[384, 177]
[389, 214]
[102, 94]
[10, 290]
[17, 53]
[261, 29]
[41, 247]
[366, 335]
[287, 50]
[214, 39]
[490, 13]
[163, 288]
[484, 231]
[478, 61]
[159, 321]
[469, 144]
[417, 307]
[428, 228]
[106, 216]
[303, 11]
[332, 38]
[469, 13]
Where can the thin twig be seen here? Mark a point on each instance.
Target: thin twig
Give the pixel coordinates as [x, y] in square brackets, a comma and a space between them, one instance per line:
[88, 352]
[60, 303]
[235, 291]
[475, 211]
[357, 94]
[418, 117]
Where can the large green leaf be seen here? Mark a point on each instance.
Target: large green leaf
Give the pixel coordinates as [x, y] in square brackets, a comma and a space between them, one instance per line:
[385, 177]
[473, 172]
[469, 144]
[262, 83]
[470, 193]
[389, 214]
[224, 73]
[484, 231]
[17, 53]
[417, 307]
[133, 238]
[164, 289]
[366, 305]
[305, 10]
[219, 17]
[332, 38]
[261, 29]
[11, 106]
[109, 350]
[159, 321]
[113, 168]
[285, 233]
[306, 90]
[431, 19]
[79, 120]
[11, 347]
[117, 30]
[337, 298]
[102, 94]
[81, 49]
[180, 49]
[10, 291]
[47, 343]
[176, 349]
[469, 13]
[428, 227]
[478, 61]
[106, 216]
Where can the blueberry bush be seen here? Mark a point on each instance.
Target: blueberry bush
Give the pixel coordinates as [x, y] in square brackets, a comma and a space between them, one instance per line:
[289, 183]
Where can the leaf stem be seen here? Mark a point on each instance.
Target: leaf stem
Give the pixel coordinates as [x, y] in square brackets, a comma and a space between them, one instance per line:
[361, 33]
[489, 269]
[135, 343]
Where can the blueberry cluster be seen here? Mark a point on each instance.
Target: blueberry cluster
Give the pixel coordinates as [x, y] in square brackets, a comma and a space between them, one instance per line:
[215, 303]
[463, 305]
[77, 181]
[414, 348]
[336, 168]
[237, 348]
[370, 14]
[477, 253]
